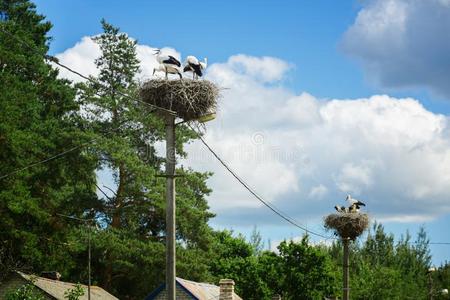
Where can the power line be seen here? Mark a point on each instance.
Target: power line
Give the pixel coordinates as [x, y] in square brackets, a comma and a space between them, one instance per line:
[75, 218]
[103, 192]
[271, 206]
[259, 198]
[56, 61]
[101, 134]
[240, 180]
[43, 161]
[52, 157]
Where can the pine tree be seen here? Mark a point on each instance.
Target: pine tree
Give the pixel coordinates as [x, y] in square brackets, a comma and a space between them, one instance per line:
[133, 210]
[37, 120]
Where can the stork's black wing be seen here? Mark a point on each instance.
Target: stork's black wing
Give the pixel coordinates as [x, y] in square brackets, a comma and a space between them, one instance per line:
[197, 69]
[187, 68]
[359, 203]
[172, 61]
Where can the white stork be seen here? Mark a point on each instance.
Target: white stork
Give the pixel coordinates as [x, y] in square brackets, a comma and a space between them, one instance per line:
[170, 63]
[341, 209]
[167, 70]
[354, 204]
[193, 65]
[353, 209]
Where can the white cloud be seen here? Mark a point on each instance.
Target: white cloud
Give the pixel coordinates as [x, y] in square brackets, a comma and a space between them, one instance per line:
[304, 154]
[354, 177]
[392, 153]
[266, 69]
[418, 219]
[318, 191]
[403, 43]
[81, 58]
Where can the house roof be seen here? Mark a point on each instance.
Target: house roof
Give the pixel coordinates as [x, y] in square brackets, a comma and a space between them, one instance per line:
[56, 288]
[197, 290]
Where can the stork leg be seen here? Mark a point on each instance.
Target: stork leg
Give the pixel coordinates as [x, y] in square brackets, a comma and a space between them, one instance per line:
[179, 74]
[167, 77]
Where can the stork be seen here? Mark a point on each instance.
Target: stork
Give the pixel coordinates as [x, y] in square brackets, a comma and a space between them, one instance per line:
[193, 65]
[167, 70]
[354, 204]
[341, 209]
[353, 208]
[170, 63]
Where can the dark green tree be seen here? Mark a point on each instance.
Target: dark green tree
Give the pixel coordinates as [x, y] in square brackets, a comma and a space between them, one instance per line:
[38, 119]
[306, 270]
[75, 293]
[256, 241]
[25, 292]
[234, 258]
[381, 268]
[441, 280]
[132, 212]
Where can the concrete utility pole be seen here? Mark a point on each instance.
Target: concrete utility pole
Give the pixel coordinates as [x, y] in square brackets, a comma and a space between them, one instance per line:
[345, 263]
[170, 208]
[89, 262]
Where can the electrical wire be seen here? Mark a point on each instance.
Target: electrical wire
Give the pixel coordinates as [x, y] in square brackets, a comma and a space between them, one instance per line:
[275, 210]
[43, 161]
[56, 61]
[75, 218]
[267, 204]
[103, 192]
[52, 157]
[240, 180]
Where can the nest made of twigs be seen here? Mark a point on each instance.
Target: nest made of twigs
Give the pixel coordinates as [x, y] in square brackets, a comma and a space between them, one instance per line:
[347, 225]
[189, 99]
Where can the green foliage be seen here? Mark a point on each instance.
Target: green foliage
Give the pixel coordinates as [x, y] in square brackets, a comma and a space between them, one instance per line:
[256, 241]
[25, 292]
[234, 258]
[133, 216]
[441, 280]
[383, 269]
[306, 270]
[75, 293]
[299, 271]
[41, 116]
[38, 119]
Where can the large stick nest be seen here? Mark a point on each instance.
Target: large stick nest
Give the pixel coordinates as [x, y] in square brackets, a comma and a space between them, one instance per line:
[189, 99]
[347, 225]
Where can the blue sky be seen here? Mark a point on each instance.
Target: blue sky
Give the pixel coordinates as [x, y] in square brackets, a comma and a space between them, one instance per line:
[326, 56]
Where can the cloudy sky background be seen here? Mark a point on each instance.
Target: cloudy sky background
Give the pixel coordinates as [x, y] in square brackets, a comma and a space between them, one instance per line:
[320, 100]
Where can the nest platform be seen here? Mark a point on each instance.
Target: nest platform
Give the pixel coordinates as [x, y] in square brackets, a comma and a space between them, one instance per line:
[189, 99]
[347, 225]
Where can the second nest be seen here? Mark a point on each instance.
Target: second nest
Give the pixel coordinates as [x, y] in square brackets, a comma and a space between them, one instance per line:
[347, 225]
[189, 99]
